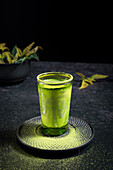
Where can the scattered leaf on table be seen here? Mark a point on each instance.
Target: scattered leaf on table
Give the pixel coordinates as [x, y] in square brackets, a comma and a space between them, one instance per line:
[98, 76]
[81, 75]
[83, 85]
[89, 80]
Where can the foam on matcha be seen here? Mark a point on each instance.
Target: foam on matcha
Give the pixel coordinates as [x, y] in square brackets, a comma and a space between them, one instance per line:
[53, 81]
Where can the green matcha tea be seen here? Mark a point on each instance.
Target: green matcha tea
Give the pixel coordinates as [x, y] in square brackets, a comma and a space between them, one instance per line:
[54, 91]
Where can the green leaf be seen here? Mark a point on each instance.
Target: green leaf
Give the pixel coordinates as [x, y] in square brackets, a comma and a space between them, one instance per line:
[8, 56]
[83, 85]
[33, 56]
[81, 75]
[98, 76]
[2, 62]
[89, 81]
[27, 49]
[19, 52]
[5, 54]
[20, 60]
[14, 51]
[1, 59]
[39, 47]
[2, 47]
[17, 55]
[32, 51]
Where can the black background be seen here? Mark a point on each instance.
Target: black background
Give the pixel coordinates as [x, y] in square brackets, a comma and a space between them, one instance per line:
[67, 30]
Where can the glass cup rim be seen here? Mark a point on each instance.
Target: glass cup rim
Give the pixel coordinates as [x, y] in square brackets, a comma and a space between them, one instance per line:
[59, 83]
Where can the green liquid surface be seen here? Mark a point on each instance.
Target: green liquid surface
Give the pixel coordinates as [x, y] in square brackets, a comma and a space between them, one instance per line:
[54, 103]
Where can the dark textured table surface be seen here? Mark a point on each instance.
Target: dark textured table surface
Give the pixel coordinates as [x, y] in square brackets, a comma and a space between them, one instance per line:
[93, 104]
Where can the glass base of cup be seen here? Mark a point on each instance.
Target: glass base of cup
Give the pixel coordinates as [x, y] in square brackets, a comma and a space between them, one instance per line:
[54, 131]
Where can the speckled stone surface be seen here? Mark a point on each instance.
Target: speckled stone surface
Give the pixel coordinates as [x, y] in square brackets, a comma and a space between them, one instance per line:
[93, 104]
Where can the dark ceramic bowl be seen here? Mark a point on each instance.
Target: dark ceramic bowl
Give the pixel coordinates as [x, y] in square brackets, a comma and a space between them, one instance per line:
[14, 73]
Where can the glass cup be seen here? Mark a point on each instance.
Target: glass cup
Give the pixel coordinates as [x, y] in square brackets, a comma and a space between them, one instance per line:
[54, 90]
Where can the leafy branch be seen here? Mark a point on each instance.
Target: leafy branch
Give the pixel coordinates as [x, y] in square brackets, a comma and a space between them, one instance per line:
[89, 81]
[17, 55]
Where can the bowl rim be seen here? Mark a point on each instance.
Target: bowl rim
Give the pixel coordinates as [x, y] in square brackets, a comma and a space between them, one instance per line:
[19, 63]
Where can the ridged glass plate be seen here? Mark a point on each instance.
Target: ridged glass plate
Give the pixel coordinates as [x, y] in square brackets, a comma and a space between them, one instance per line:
[78, 135]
